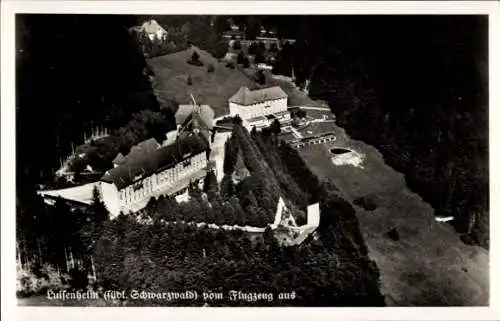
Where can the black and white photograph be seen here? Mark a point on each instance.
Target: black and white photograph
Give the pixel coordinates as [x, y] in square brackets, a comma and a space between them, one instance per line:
[210, 160]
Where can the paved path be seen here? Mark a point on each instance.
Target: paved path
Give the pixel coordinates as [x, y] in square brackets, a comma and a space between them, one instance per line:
[311, 108]
[218, 152]
[322, 121]
[82, 193]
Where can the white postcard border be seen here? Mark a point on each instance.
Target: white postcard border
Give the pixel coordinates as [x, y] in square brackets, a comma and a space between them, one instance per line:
[9, 8]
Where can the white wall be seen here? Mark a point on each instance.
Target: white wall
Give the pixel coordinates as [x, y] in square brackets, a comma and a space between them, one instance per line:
[109, 195]
[260, 109]
[313, 215]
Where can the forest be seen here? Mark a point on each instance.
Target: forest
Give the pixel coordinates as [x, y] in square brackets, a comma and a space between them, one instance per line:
[73, 73]
[72, 76]
[416, 88]
[330, 270]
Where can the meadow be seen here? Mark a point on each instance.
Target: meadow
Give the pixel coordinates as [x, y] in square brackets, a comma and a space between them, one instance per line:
[429, 265]
[212, 88]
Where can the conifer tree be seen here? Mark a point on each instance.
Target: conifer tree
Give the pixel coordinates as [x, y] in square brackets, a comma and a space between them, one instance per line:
[195, 56]
[226, 187]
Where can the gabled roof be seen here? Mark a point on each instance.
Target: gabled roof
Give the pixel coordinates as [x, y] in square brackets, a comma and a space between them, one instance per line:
[146, 162]
[202, 116]
[247, 97]
[150, 27]
[144, 146]
[138, 150]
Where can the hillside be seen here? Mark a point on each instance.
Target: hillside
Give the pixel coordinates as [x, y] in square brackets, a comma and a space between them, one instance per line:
[427, 264]
[330, 269]
[416, 88]
[212, 88]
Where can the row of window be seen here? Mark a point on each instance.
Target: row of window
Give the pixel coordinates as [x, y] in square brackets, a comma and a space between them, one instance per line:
[144, 188]
[261, 113]
[317, 141]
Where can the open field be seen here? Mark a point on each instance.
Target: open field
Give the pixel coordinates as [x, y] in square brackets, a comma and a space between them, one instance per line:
[171, 73]
[428, 265]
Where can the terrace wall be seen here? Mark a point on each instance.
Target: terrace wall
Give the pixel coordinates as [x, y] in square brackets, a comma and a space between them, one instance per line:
[313, 141]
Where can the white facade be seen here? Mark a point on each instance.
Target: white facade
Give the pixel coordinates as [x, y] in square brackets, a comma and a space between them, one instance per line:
[139, 192]
[260, 109]
[109, 195]
[154, 30]
[313, 215]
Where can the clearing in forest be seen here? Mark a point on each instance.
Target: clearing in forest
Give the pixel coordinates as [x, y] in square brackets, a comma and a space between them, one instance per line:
[427, 264]
[212, 88]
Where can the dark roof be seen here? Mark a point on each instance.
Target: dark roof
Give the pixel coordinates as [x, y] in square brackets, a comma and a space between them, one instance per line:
[144, 146]
[137, 151]
[119, 159]
[246, 97]
[202, 116]
[150, 161]
[202, 133]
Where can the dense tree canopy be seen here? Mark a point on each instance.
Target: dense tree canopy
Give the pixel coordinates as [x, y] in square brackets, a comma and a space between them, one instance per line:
[73, 73]
[330, 269]
[416, 87]
[71, 76]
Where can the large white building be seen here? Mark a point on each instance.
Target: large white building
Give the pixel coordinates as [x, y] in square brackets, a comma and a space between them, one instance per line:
[259, 107]
[248, 103]
[152, 30]
[151, 170]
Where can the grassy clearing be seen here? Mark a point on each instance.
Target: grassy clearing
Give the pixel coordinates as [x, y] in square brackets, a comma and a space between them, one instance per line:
[171, 73]
[429, 265]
